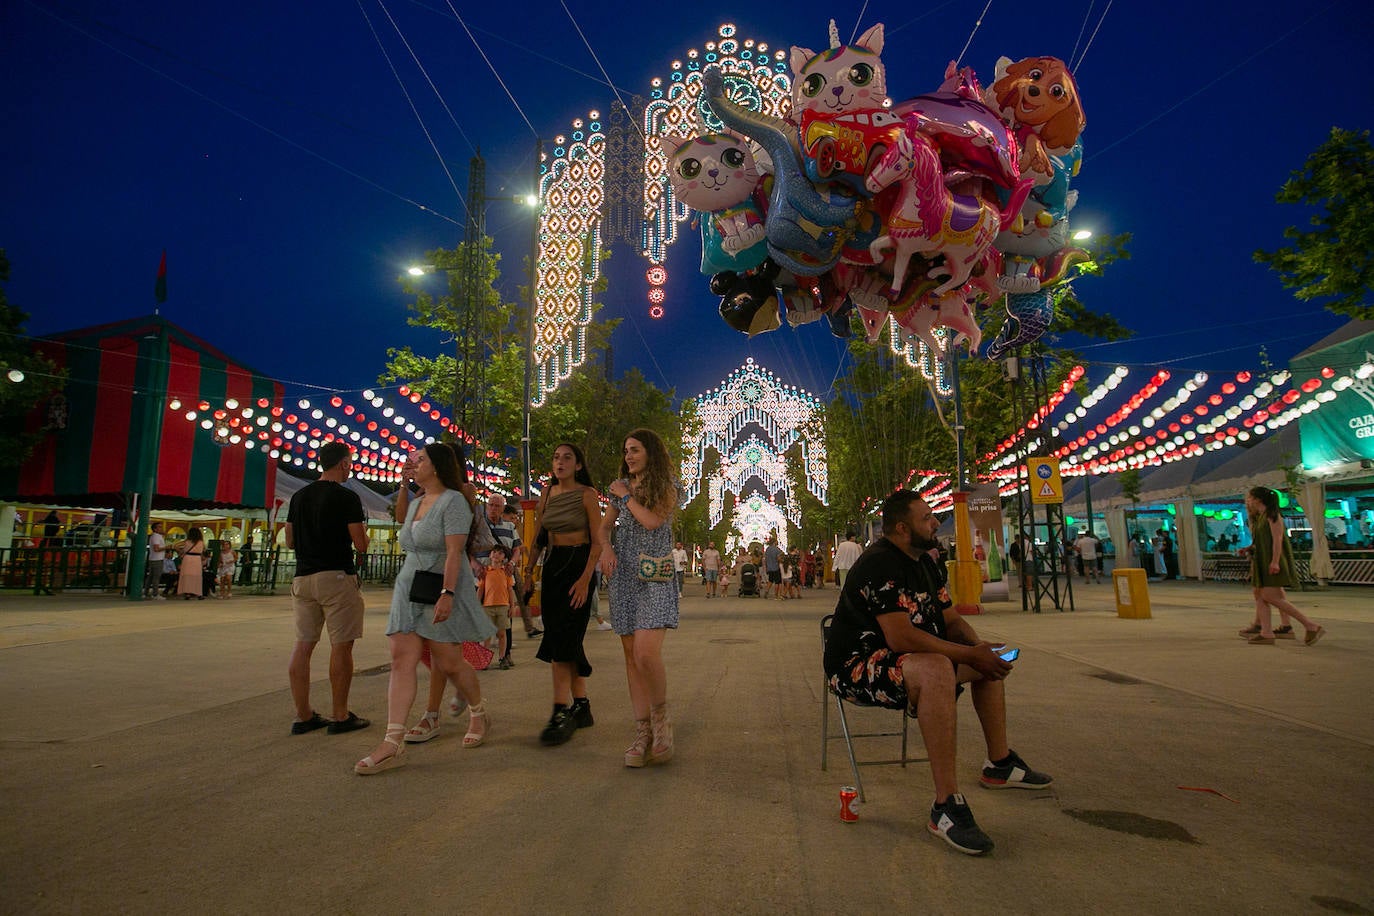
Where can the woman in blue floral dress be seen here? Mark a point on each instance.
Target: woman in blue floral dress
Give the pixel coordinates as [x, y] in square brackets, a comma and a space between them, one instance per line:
[638, 523]
[434, 538]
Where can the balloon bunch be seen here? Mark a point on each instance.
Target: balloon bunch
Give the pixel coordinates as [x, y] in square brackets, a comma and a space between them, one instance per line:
[921, 210]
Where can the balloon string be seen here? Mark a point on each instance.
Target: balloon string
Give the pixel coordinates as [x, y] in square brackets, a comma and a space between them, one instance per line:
[409, 101]
[858, 19]
[976, 26]
[1081, 29]
[1101, 19]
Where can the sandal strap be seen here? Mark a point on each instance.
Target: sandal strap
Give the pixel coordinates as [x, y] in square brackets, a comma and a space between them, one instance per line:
[479, 710]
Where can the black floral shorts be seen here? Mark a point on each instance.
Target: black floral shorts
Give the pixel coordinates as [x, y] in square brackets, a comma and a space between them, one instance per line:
[872, 676]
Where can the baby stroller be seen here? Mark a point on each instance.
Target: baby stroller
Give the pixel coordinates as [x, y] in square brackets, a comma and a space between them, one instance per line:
[748, 581]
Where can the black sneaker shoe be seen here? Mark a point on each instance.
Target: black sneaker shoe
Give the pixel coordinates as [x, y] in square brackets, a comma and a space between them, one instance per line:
[1014, 774]
[953, 822]
[582, 713]
[353, 723]
[309, 725]
[561, 726]
[533, 633]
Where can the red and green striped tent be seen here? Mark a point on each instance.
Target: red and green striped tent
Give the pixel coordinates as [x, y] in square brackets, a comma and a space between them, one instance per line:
[93, 427]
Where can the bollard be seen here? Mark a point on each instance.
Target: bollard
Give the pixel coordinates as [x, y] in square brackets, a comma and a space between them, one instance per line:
[1132, 593]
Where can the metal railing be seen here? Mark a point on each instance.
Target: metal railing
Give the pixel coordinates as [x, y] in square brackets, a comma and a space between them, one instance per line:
[41, 570]
[52, 569]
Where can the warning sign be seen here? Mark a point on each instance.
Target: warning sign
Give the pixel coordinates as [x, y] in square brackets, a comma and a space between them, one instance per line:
[1045, 485]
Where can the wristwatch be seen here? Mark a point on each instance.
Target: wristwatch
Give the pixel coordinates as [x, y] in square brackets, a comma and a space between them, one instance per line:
[447, 591]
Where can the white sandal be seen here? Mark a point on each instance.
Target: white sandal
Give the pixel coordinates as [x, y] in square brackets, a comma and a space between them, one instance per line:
[472, 739]
[425, 729]
[394, 732]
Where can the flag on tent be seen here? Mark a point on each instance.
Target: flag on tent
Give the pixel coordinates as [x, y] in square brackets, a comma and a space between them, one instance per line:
[160, 290]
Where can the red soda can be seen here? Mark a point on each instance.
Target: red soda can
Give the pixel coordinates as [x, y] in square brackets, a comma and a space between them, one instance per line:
[848, 799]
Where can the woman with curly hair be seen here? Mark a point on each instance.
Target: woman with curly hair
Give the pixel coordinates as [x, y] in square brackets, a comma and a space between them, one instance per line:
[1272, 568]
[637, 525]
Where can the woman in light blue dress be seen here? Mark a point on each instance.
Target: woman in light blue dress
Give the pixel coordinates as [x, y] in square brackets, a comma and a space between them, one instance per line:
[434, 537]
[643, 500]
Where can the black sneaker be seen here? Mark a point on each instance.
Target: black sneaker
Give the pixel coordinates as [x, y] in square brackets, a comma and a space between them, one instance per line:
[953, 822]
[1015, 774]
[582, 713]
[353, 723]
[533, 633]
[309, 725]
[561, 726]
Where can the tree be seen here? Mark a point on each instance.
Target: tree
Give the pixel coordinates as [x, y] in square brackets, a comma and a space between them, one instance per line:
[27, 379]
[589, 410]
[1334, 259]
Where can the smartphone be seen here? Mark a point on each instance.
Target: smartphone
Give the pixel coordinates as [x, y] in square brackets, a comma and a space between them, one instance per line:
[1009, 655]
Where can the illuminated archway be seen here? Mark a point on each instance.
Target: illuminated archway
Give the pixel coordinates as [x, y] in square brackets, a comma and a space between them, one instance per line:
[751, 421]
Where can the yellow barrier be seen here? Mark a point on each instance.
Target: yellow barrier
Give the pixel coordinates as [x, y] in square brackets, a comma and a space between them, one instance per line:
[1132, 593]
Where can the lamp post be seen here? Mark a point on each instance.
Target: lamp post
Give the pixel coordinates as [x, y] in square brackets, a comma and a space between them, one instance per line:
[419, 270]
[533, 201]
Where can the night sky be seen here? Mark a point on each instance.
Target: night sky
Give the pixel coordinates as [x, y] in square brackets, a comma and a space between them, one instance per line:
[271, 151]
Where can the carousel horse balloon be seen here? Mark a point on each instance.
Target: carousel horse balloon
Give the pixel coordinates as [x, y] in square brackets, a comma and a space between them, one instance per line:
[929, 217]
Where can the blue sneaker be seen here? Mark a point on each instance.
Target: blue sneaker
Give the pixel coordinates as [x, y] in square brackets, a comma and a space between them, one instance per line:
[953, 822]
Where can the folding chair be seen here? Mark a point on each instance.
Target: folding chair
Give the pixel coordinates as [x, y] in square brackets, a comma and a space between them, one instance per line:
[848, 736]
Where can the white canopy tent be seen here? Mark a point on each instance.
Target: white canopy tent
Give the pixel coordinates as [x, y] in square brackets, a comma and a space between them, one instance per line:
[377, 507]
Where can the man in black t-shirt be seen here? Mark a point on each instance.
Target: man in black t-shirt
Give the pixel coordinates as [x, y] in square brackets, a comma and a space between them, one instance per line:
[896, 641]
[326, 526]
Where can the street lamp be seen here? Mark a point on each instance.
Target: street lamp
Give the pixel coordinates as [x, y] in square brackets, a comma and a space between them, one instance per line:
[420, 270]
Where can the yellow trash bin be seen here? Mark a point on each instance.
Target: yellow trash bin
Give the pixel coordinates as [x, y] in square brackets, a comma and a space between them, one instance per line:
[1132, 593]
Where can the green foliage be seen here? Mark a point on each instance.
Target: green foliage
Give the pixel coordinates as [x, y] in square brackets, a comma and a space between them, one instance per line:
[17, 399]
[594, 413]
[1334, 258]
[486, 372]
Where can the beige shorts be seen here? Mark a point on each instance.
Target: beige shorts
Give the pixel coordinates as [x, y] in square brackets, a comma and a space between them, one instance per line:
[499, 614]
[333, 599]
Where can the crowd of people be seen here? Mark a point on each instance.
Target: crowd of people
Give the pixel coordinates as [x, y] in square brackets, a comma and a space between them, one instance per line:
[895, 641]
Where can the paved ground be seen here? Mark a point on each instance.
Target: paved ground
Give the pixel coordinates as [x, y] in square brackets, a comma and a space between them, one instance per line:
[146, 767]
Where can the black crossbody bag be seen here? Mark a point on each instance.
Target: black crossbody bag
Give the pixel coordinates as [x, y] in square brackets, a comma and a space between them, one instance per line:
[426, 587]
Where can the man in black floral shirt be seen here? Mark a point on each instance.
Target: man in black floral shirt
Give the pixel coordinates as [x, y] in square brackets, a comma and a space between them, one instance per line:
[896, 641]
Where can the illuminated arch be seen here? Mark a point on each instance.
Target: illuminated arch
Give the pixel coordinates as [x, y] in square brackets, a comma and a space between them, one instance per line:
[752, 420]
[757, 78]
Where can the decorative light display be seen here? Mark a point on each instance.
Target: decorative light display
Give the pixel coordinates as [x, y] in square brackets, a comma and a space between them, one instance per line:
[380, 440]
[572, 194]
[754, 77]
[756, 518]
[752, 420]
[932, 366]
[1035, 421]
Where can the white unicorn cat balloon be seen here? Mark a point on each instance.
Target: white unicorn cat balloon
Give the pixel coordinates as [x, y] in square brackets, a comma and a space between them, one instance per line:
[840, 78]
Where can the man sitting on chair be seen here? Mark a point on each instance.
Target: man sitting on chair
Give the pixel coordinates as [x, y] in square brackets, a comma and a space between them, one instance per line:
[896, 641]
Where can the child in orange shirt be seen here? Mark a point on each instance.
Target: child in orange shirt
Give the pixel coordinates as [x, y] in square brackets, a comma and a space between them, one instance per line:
[494, 591]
